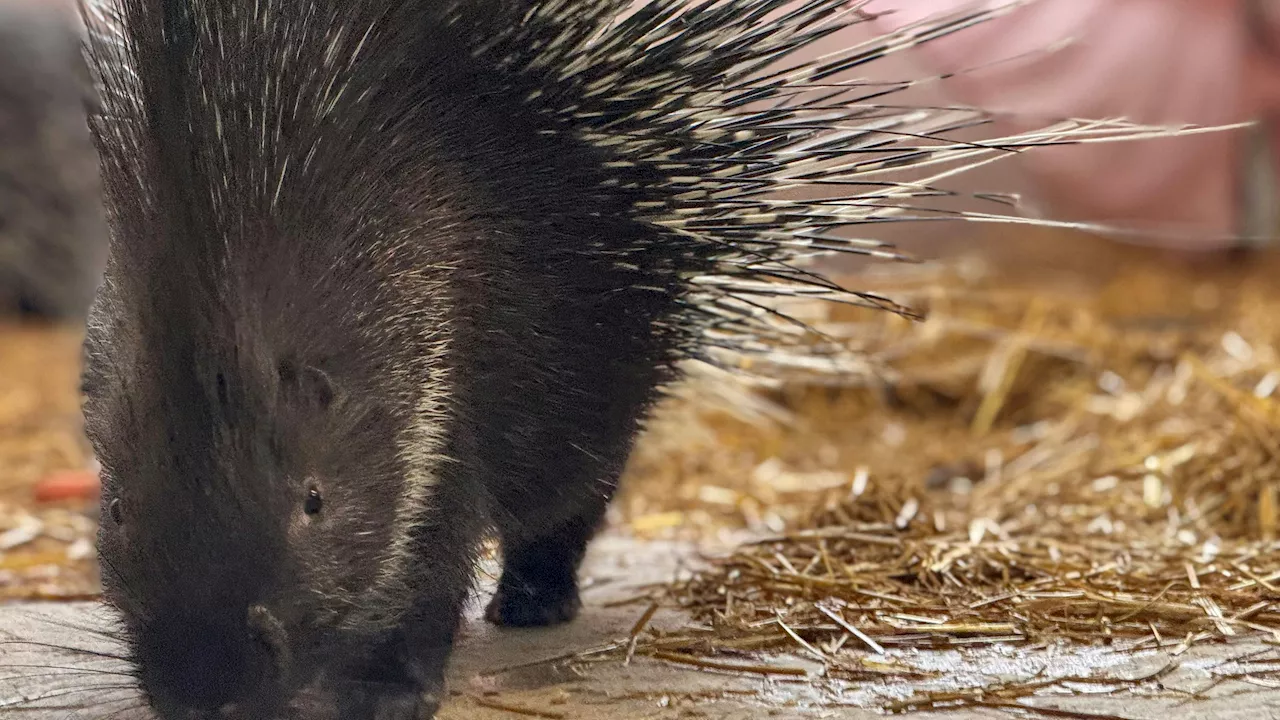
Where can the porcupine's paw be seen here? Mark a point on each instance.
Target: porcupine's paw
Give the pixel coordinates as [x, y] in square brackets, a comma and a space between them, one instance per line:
[543, 602]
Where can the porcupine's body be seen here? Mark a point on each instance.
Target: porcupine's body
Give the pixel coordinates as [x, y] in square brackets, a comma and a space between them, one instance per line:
[52, 236]
[385, 274]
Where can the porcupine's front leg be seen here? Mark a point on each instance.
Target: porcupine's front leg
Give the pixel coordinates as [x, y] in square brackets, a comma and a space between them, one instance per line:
[545, 527]
[560, 459]
[539, 584]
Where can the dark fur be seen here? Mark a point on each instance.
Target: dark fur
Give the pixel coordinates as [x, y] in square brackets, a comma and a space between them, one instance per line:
[243, 349]
[53, 237]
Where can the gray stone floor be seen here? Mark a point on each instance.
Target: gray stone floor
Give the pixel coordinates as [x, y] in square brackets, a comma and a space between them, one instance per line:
[486, 687]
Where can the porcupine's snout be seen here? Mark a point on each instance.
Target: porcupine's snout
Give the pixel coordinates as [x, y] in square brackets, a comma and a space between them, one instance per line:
[223, 667]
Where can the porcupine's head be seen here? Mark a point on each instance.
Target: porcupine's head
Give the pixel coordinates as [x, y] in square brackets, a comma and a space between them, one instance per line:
[245, 508]
[241, 405]
[247, 500]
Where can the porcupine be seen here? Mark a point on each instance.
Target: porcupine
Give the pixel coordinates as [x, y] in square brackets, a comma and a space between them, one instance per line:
[386, 276]
[53, 237]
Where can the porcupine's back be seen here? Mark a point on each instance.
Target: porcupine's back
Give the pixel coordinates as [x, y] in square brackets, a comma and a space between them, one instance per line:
[342, 166]
[521, 159]
[52, 234]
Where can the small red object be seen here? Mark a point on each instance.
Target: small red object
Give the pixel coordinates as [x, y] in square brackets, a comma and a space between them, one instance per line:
[68, 485]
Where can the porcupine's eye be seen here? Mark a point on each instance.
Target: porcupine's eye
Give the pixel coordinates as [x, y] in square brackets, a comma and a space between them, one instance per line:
[314, 502]
[116, 511]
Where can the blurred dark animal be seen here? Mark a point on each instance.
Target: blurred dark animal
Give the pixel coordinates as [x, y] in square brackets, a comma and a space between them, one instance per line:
[52, 231]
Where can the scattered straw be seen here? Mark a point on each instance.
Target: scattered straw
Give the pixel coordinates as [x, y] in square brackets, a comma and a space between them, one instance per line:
[495, 704]
[1035, 464]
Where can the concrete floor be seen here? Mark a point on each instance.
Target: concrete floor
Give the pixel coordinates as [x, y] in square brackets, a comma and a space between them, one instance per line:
[483, 683]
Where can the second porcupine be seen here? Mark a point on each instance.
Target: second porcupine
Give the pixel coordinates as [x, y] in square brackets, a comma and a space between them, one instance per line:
[384, 275]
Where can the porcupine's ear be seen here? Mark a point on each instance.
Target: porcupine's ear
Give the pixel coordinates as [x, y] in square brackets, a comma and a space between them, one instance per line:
[305, 384]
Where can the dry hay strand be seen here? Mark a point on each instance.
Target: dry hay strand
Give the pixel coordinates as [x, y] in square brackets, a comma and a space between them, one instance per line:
[1033, 464]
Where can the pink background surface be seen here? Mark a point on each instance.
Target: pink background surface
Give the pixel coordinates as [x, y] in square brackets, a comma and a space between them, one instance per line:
[1153, 61]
